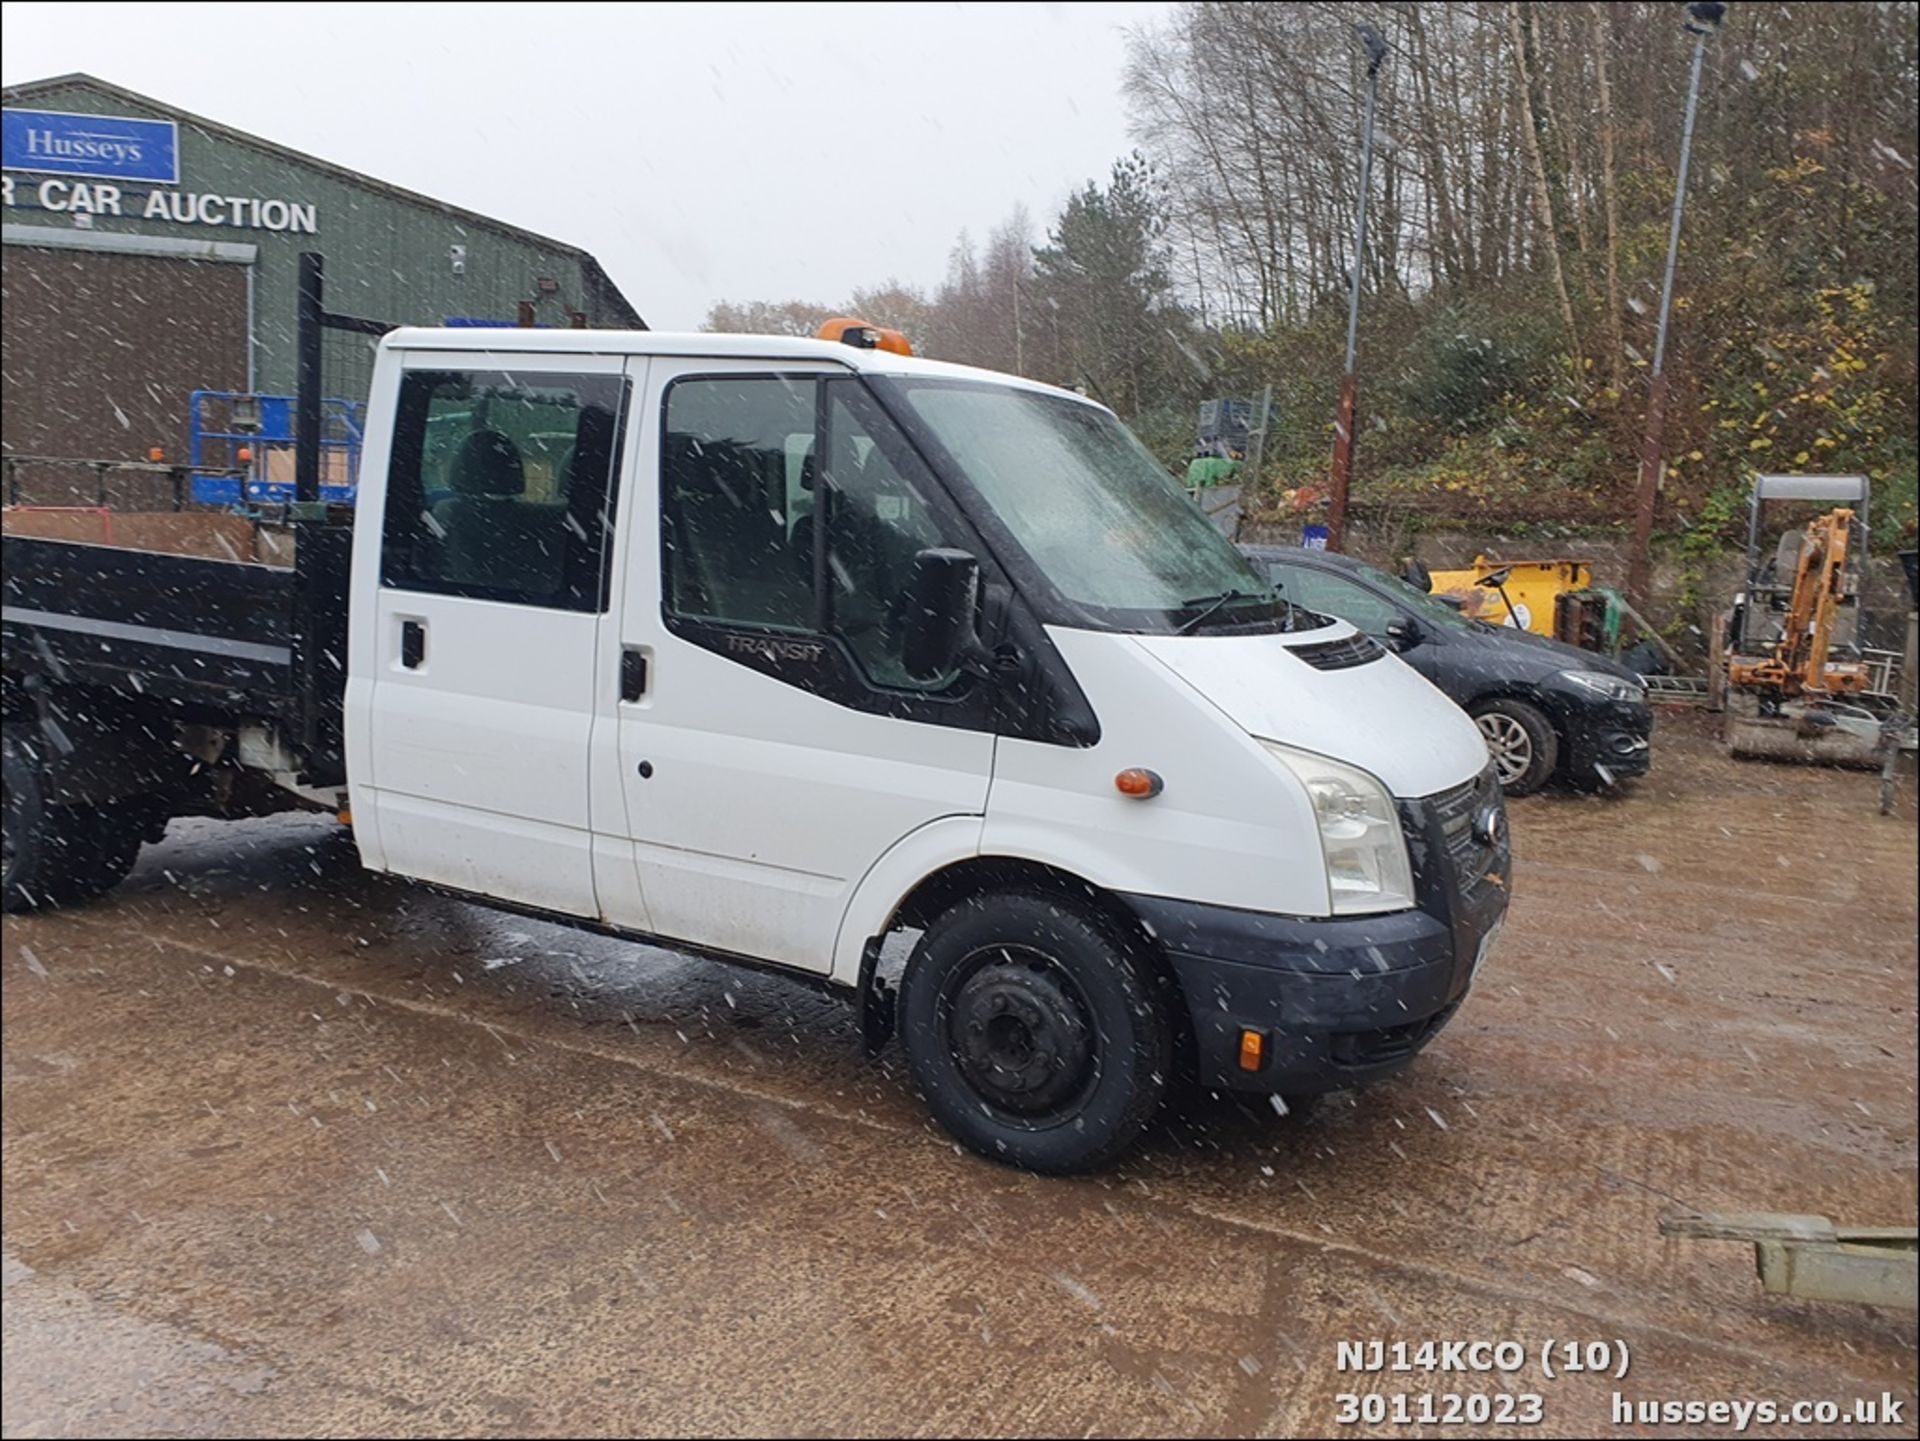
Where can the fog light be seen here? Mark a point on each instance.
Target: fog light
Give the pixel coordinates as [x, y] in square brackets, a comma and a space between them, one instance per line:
[1253, 1050]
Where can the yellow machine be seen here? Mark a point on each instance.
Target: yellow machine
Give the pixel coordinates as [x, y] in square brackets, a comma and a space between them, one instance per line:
[1790, 644]
[1554, 598]
[1520, 593]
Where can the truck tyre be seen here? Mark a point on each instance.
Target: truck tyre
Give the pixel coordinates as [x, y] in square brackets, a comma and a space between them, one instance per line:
[116, 832]
[54, 855]
[39, 843]
[1521, 742]
[1038, 1034]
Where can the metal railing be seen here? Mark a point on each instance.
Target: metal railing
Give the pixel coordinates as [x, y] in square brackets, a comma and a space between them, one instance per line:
[96, 481]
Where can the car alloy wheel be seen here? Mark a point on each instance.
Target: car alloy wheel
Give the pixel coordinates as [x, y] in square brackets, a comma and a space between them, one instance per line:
[1508, 743]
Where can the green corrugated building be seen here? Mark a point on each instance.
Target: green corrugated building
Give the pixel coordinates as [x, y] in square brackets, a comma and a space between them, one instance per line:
[150, 253]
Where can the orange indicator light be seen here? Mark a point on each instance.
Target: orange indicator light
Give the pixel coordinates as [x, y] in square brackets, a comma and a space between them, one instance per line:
[1138, 783]
[1253, 1050]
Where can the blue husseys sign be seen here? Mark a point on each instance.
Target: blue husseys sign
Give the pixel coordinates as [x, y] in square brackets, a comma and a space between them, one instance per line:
[110, 147]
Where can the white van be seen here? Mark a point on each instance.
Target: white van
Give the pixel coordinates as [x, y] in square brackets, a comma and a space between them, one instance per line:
[775, 648]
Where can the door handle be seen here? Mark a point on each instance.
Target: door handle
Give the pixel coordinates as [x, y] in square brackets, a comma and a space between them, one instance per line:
[413, 644]
[633, 675]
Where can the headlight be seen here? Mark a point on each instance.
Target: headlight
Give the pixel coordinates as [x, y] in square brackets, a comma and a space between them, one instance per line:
[1600, 683]
[1366, 856]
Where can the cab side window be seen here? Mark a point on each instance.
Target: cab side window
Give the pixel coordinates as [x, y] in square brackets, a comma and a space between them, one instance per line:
[878, 518]
[1336, 596]
[734, 473]
[501, 487]
[761, 474]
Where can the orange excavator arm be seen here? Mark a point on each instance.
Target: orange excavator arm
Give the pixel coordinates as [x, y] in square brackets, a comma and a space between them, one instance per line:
[1799, 663]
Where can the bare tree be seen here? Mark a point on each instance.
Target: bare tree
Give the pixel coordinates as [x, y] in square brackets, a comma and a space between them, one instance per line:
[764, 317]
[1609, 199]
[1536, 163]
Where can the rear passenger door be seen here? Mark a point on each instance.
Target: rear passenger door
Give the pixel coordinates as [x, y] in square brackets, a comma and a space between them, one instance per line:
[502, 484]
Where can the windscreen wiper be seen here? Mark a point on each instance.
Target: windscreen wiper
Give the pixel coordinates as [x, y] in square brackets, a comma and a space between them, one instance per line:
[1211, 604]
[1286, 600]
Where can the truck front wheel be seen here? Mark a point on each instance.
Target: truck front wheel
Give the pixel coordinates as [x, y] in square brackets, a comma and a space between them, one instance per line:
[1037, 1033]
[54, 855]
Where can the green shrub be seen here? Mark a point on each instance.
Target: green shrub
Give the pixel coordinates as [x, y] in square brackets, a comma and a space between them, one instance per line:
[1461, 365]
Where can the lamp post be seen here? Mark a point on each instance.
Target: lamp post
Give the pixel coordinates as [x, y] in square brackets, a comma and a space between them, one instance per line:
[1343, 421]
[1703, 19]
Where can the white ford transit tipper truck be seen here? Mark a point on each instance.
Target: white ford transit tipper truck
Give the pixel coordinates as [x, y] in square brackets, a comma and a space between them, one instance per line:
[774, 648]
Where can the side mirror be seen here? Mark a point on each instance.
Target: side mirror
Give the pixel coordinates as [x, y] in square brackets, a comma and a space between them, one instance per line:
[1403, 634]
[1418, 576]
[943, 591]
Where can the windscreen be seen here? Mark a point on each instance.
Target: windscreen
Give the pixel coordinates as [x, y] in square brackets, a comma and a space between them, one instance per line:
[1107, 530]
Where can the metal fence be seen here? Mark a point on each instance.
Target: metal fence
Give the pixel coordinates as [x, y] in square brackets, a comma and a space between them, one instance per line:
[67, 481]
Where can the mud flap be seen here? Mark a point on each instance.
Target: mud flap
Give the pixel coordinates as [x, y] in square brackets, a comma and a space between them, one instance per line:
[879, 1006]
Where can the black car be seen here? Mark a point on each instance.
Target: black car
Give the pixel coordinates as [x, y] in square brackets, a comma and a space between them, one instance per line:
[1547, 709]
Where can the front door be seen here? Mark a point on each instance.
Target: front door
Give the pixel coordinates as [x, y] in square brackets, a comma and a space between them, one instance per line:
[772, 744]
[493, 589]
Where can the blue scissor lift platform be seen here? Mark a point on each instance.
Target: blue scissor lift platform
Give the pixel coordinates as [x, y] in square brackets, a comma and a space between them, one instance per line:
[233, 431]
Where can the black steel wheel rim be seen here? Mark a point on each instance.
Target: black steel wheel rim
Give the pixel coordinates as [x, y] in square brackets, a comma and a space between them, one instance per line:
[1021, 1034]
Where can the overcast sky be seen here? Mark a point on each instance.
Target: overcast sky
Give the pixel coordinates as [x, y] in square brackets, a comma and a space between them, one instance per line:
[701, 152]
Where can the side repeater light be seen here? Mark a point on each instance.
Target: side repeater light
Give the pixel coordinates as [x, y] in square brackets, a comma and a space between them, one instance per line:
[1253, 1050]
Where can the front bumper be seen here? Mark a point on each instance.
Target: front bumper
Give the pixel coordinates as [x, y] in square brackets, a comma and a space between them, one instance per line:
[1616, 735]
[1342, 1001]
